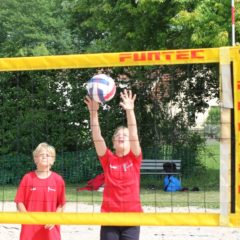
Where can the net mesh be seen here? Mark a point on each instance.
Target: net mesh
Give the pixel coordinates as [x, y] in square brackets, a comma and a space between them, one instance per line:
[178, 117]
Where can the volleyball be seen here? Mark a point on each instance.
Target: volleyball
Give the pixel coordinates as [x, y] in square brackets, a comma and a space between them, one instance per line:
[101, 88]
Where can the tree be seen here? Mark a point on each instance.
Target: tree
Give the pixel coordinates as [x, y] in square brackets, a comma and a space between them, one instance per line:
[212, 123]
[107, 26]
[33, 28]
[34, 103]
[206, 25]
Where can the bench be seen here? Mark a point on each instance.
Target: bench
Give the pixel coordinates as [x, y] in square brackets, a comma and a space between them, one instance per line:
[155, 166]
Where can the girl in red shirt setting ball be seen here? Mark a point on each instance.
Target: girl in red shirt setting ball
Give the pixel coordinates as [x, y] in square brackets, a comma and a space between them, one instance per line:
[121, 168]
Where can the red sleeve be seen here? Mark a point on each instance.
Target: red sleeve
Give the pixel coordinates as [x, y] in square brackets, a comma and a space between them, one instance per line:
[105, 158]
[61, 193]
[136, 158]
[20, 195]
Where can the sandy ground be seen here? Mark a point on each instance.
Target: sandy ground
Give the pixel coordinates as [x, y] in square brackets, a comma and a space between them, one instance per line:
[76, 232]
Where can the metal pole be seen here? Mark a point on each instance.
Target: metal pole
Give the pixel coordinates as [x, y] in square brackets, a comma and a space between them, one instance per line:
[233, 24]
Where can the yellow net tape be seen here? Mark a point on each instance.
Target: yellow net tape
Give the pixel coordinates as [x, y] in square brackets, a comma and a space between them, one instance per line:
[110, 59]
[113, 219]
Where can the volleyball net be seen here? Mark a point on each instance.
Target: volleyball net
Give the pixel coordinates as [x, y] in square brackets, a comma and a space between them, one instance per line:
[187, 108]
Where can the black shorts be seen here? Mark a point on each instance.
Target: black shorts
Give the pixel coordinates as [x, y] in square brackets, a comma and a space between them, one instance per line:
[119, 233]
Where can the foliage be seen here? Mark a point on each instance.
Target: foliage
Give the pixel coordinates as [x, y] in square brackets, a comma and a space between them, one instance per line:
[214, 115]
[121, 25]
[33, 28]
[212, 124]
[75, 167]
[48, 106]
[43, 109]
[142, 25]
[207, 24]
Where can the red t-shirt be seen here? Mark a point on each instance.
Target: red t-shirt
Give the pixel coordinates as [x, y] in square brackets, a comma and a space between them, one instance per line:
[122, 182]
[41, 195]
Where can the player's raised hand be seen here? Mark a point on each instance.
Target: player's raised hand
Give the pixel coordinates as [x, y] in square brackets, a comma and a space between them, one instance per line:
[128, 100]
[91, 104]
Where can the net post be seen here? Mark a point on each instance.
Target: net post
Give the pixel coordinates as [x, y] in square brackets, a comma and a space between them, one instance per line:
[225, 141]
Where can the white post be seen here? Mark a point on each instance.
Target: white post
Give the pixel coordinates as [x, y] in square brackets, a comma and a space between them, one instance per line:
[225, 143]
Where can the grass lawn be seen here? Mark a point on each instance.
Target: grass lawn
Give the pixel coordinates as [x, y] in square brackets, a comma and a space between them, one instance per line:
[159, 198]
[210, 156]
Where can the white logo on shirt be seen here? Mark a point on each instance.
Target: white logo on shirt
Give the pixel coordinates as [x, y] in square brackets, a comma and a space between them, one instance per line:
[125, 166]
[114, 167]
[51, 189]
[33, 189]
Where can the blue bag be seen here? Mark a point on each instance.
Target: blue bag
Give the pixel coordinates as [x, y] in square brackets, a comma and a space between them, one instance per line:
[171, 184]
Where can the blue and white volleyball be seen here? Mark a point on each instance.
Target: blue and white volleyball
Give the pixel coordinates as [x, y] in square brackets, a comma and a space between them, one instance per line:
[101, 88]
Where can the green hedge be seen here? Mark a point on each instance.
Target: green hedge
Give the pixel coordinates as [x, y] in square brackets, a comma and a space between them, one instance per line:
[83, 165]
[74, 167]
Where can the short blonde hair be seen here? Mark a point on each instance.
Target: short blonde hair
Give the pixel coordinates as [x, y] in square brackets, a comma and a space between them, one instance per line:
[46, 146]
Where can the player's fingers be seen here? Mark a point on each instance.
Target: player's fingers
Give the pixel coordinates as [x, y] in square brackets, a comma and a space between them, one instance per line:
[88, 98]
[130, 94]
[122, 95]
[86, 101]
[122, 105]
